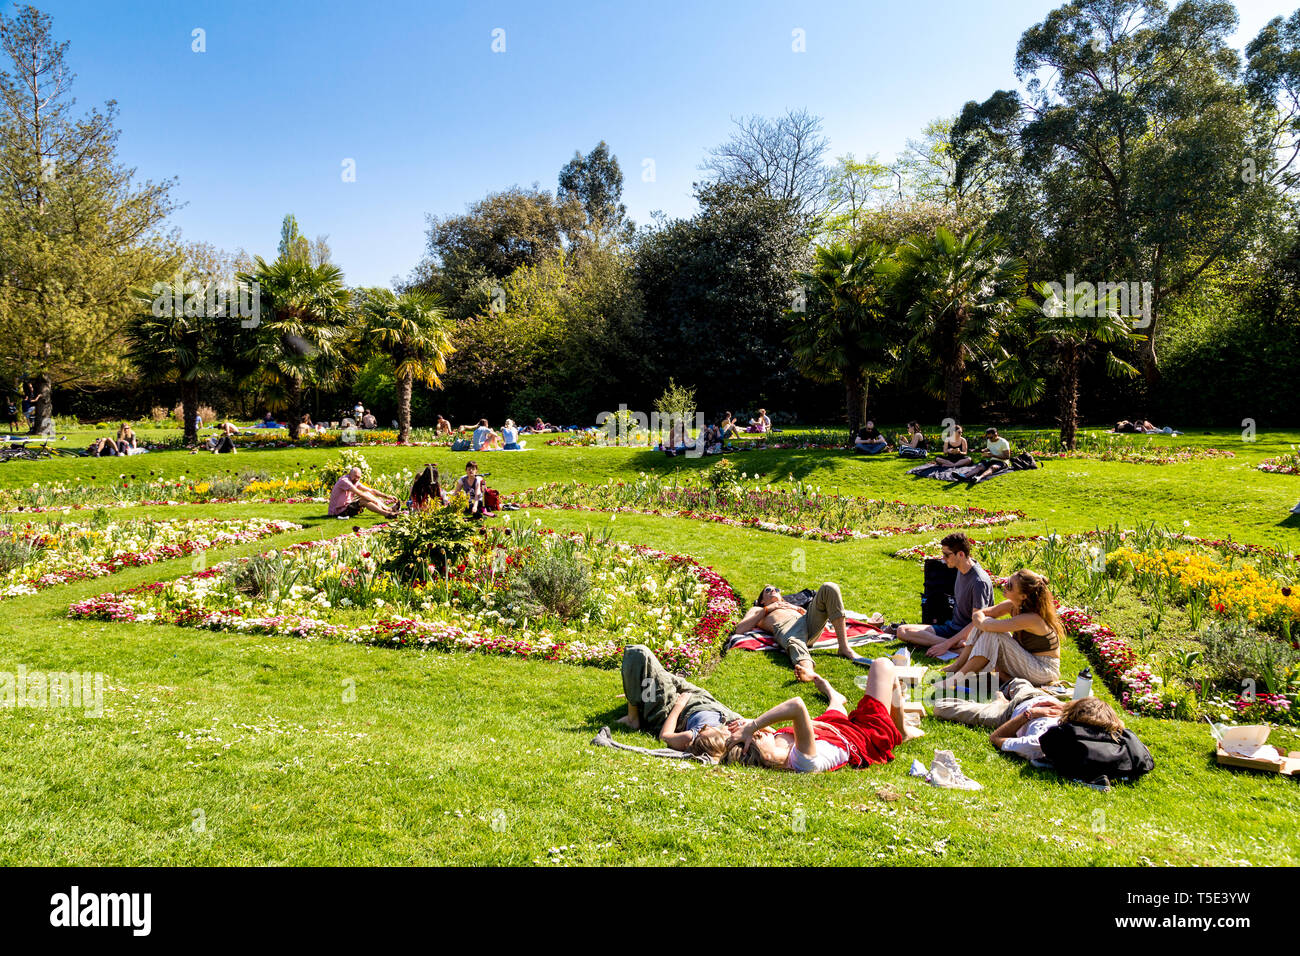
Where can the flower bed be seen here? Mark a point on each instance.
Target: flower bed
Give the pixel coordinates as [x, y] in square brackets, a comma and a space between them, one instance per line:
[832, 518]
[1288, 464]
[56, 553]
[1105, 446]
[340, 589]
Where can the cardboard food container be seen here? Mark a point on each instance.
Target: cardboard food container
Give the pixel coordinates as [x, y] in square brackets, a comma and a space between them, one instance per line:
[1247, 746]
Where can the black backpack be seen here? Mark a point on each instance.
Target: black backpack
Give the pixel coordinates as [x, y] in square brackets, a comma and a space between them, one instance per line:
[1023, 462]
[1086, 753]
[937, 603]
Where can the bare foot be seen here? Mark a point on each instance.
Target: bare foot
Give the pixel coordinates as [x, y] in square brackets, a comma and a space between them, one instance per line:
[804, 671]
[627, 720]
[851, 655]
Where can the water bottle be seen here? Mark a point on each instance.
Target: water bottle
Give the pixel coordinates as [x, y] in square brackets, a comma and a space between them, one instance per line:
[1083, 684]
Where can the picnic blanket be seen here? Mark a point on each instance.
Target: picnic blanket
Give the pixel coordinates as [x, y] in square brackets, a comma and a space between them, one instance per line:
[940, 473]
[860, 631]
[605, 739]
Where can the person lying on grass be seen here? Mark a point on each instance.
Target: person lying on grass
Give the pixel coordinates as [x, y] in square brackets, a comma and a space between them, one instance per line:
[349, 496]
[794, 628]
[836, 738]
[1020, 637]
[683, 716]
[973, 589]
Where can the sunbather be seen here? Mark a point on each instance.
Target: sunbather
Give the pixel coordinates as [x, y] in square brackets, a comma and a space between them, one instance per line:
[760, 425]
[472, 485]
[869, 441]
[997, 455]
[867, 735]
[1019, 637]
[427, 489]
[485, 439]
[973, 589]
[956, 453]
[794, 628]
[349, 497]
[683, 716]
[915, 445]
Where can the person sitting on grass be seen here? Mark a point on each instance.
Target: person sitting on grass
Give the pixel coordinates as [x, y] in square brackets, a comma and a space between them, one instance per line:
[685, 717]
[510, 436]
[126, 440]
[1020, 637]
[472, 485]
[349, 496]
[760, 425]
[973, 589]
[956, 453]
[869, 441]
[427, 489]
[915, 445]
[103, 448]
[443, 428]
[223, 442]
[997, 455]
[728, 426]
[835, 738]
[485, 439]
[794, 628]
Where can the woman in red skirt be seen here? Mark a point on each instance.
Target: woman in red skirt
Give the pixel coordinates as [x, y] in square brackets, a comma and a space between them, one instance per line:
[868, 734]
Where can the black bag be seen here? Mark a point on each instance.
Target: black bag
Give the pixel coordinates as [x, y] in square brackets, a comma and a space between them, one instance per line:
[1085, 753]
[1023, 462]
[937, 602]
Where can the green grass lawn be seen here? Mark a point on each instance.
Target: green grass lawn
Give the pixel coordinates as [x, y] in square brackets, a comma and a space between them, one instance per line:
[226, 749]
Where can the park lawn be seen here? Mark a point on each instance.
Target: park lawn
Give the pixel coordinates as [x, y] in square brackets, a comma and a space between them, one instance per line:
[227, 749]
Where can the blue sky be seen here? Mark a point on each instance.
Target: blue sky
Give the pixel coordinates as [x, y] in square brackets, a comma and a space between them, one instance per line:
[287, 90]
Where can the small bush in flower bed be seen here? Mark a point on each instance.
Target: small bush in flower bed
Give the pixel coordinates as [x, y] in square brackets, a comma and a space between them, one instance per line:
[792, 508]
[345, 589]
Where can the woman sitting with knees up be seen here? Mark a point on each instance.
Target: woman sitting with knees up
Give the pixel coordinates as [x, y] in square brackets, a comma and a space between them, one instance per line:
[427, 489]
[1020, 637]
[834, 739]
[683, 716]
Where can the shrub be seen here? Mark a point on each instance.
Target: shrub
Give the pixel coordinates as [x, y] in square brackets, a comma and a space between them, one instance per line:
[1236, 651]
[676, 400]
[330, 472]
[556, 581]
[421, 545]
[16, 554]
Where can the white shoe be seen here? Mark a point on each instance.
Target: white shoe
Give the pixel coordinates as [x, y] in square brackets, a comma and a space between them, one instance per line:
[945, 772]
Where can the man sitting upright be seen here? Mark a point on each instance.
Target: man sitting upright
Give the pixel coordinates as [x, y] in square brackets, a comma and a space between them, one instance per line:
[794, 628]
[997, 454]
[973, 589]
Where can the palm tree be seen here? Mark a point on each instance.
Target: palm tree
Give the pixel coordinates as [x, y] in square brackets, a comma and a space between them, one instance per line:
[302, 318]
[957, 293]
[1070, 333]
[173, 347]
[841, 336]
[414, 331]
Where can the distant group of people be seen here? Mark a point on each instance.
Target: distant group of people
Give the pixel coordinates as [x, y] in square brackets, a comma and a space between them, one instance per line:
[955, 451]
[1017, 640]
[349, 495]
[1141, 426]
[125, 443]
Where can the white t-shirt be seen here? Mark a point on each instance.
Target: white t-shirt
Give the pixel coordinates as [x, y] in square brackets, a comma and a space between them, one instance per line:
[1026, 745]
[998, 447]
[480, 436]
[828, 758]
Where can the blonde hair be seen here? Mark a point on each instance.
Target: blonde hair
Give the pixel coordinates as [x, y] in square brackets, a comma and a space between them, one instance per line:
[711, 742]
[1093, 712]
[1038, 598]
[737, 753]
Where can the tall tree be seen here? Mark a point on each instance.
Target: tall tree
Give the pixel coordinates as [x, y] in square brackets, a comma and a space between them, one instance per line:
[293, 244]
[302, 320]
[77, 233]
[782, 157]
[1142, 151]
[1065, 337]
[841, 333]
[958, 294]
[414, 332]
[596, 181]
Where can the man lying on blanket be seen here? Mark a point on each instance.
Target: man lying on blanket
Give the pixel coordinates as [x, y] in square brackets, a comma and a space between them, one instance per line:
[794, 629]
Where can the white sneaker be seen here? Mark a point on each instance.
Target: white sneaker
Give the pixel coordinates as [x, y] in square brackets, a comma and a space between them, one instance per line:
[945, 772]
